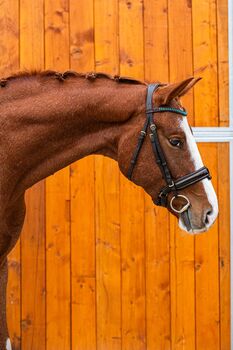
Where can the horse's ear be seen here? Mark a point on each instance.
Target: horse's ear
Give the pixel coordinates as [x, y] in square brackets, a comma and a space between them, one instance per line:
[189, 86]
[167, 93]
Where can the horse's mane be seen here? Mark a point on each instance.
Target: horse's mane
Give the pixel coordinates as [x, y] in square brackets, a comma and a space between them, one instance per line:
[62, 76]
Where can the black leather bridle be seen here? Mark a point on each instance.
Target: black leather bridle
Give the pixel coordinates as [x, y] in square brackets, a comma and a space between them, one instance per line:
[172, 185]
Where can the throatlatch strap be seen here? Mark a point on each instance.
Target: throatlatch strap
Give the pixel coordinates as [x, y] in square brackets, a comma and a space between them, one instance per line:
[137, 149]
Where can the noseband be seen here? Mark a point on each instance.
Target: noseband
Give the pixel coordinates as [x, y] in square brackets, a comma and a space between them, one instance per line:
[172, 185]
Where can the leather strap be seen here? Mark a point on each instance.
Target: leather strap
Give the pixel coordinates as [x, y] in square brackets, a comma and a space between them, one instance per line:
[183, 182]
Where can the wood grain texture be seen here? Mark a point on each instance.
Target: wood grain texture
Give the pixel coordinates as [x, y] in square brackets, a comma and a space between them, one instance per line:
[156, 51]
[83, 260]
[223, 64]
[58, 327]
[180, 47]
[207, 272]
[205, 62]
[224, 244]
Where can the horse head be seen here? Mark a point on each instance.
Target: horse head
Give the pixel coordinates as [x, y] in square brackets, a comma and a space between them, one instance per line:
[165, 160]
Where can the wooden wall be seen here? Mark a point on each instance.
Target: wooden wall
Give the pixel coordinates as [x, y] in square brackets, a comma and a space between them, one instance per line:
[98, 266]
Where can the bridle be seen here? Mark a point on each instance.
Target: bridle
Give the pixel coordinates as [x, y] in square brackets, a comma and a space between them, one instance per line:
[172, 185]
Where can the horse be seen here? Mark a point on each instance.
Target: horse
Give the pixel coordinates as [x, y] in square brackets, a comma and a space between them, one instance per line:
[50, 119]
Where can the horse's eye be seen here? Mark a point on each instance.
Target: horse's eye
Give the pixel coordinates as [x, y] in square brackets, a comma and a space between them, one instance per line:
[176, 143]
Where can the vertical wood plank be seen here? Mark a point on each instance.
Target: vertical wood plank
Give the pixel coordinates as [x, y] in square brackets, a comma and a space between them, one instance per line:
[9, 63]
[223, 64]
[57, 197]
[83, 255]
[108, 257]
[180, 47]
[182, 245]
[156, 51]
[33, 235]
[224, 244]
[83, 197]
[182, 288]
[132, 198]
[158, 328]
[33, 271]
[205, 62]
[207, 271]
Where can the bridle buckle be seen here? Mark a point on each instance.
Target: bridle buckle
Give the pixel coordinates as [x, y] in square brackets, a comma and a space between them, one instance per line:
[172, 184]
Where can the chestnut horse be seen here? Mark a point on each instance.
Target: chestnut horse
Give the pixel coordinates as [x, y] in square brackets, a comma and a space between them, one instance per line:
[51, 119]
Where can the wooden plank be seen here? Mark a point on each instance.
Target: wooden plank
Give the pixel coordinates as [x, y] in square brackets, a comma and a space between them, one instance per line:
[108, 256]
[156, 51]
[181, 244]
[224, 244]
[83, 255]
[180, 47]
[158, 330]
[9, 32]
[205, 62]
[31, 35]
[33, 271]
[57, 198]
[182, 288]
[9, 58]
[83, 197]
[207, 271]
[223, 64]
[132, 197]
[131, 38]
[33, 235]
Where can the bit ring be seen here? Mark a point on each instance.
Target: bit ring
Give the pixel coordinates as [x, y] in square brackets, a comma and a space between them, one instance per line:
[185, 206]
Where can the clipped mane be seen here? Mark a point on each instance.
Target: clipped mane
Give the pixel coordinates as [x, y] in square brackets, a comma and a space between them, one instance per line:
[62, 76]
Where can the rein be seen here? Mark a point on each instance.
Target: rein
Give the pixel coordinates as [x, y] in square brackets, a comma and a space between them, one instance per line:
[172, 185]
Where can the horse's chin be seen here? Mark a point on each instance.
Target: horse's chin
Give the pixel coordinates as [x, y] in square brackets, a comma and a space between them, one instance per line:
[192, 230]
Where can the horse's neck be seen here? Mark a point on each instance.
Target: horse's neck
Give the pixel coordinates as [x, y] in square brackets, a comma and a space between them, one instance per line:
[60, 123]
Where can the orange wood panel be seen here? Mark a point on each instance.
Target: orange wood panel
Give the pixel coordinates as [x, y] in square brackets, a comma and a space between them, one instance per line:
[223, 64]
[83, 255]
[224, 243]
[33, 236]
[58, 327]
[205, 62]
[9, 63]
[132, 197]
[33, 271]
[156, 51]
[207, 271]
[108, 256]
[157, 219]
[83, 264]
[180, 47]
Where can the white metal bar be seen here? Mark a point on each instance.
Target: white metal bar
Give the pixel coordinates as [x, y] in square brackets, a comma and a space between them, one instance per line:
[213, 134]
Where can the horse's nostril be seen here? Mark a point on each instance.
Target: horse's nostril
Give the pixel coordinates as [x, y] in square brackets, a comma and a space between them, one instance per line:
[208, 214]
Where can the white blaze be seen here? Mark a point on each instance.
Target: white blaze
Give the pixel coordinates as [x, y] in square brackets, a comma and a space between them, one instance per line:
[196, 158]
[8, 344]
